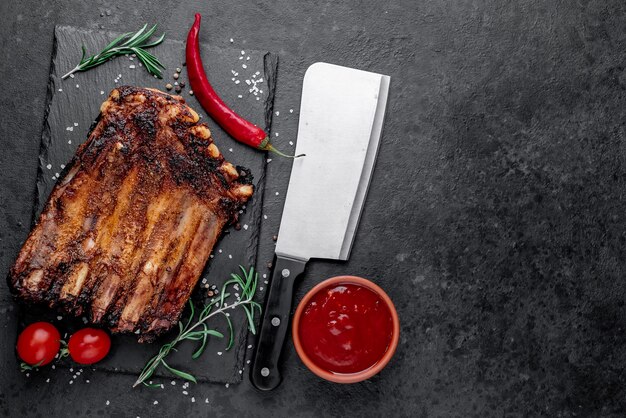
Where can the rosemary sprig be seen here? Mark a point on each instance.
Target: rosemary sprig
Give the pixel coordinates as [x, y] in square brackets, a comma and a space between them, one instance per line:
[246, 285]
[127, 43]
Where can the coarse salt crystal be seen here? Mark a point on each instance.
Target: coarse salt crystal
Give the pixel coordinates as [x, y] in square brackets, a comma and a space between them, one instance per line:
[75, 123]
[87, 380]
[101, 91]
[237, 81]
[290, 142]
[206, 400]
[247, 361]
[131, 66]
[173, 383]
[62, 166]
[230, 256]
[69, 142]
[77, 86]
[240, 58]
[155, 403]
[244, 66]
[108, 402]
[264, 216]
[248, 82]
[71, 75]
[233, 79]
[59, 317]
[193, 399]
[277, 113]
[261, 288]
[245, 226]
[185, 393]
[250, 346]
[231, 40]
[60, 89]
[48, 380]
[257, 98]
[220, 250]
[219, 353]
[264, 276]
[227, 385]
[49, 166]
[243, 52]
[290, 110]
[239, 96]
[230, 149]
[276, 134]
[247, 58]
[71, 381]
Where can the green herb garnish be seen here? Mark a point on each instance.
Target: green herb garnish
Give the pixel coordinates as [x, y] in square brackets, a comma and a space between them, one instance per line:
[24, 367]
[199, 330]
[127, 43]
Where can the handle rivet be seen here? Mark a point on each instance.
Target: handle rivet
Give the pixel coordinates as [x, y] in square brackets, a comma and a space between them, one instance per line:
[285, 273]
[276, 321]
[265, 372]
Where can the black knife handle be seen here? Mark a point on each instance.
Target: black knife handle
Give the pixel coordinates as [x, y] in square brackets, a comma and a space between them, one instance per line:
[265, 374]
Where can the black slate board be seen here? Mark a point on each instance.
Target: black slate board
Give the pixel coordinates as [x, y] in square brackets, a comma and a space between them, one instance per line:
[73, 104]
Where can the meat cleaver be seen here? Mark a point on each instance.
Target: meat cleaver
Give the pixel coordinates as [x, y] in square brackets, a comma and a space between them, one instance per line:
[341, 118]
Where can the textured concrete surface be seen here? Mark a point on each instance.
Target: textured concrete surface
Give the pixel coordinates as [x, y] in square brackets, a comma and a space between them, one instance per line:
[495, 218]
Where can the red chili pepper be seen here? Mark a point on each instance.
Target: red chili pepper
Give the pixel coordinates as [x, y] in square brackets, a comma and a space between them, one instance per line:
[236, 126]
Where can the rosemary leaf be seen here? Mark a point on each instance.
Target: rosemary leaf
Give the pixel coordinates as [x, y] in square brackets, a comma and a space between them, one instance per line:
[179, 373]
[231, 340]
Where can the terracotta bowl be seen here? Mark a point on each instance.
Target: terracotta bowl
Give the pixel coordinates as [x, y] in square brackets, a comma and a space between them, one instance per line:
[352, 377]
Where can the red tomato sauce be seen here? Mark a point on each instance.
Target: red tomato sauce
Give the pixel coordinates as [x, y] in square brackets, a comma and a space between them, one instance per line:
[345, 328]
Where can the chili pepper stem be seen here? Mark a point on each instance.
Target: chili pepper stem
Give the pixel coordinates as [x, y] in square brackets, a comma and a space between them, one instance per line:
[270, 147]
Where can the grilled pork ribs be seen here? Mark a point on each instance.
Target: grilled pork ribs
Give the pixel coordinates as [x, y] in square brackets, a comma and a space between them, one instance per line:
[127, 230]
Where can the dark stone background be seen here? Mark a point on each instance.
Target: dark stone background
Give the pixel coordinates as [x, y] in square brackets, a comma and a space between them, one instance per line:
[495, 220]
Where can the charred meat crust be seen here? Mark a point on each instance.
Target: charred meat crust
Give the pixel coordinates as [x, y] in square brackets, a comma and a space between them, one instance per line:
[125, 233]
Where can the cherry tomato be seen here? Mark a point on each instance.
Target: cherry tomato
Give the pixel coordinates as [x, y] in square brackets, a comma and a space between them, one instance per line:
[89, 345]
[38, 343]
